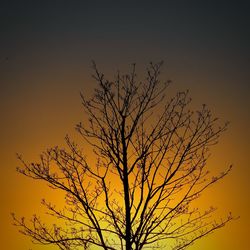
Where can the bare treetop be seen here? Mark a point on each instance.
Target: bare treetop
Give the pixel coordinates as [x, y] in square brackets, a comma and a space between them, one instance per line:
[151, 154]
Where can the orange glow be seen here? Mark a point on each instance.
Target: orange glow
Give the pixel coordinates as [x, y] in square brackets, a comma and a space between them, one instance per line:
[37, 123]
[39, 116]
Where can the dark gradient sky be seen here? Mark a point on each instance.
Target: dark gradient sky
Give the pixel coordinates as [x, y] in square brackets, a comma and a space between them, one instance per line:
[46, 48]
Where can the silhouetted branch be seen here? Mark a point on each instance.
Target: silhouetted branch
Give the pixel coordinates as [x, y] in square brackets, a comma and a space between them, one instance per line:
[151, 165]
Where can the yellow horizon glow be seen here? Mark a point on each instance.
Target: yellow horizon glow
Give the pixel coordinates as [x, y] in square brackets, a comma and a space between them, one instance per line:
[36, 124]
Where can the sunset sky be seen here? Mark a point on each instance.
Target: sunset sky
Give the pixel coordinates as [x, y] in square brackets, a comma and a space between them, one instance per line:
[46, 49]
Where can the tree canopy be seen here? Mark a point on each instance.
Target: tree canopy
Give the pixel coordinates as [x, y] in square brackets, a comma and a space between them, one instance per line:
[151, 165]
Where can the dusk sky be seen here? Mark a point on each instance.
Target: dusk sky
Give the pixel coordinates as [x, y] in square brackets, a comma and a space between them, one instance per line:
[46, 49]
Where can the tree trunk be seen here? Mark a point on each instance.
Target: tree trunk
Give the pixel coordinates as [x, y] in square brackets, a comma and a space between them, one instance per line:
[126, 189]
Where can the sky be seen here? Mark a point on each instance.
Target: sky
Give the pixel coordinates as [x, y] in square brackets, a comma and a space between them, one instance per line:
[46, 49]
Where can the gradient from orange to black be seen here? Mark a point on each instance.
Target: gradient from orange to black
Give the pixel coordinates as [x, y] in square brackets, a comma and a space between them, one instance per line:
[46, 48]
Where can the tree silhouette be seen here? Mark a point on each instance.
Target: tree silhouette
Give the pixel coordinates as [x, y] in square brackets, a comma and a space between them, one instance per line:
[151, 155]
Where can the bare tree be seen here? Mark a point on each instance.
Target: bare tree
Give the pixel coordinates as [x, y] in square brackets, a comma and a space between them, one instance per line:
[151, 155]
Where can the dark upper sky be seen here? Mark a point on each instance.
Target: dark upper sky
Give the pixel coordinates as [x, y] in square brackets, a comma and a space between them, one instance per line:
[187, 35]
[196, 39]
[46, 48]
[126, 31]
